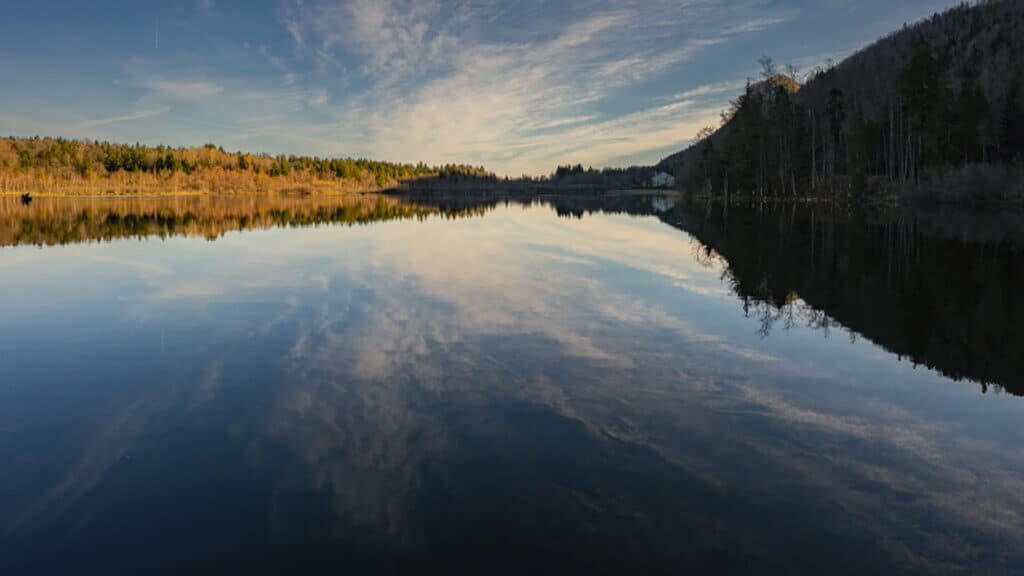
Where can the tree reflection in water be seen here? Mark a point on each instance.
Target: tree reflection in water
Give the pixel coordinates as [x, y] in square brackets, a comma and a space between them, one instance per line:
[939, 286]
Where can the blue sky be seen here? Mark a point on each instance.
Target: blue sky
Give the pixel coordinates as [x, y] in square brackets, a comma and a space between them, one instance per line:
[516, 85]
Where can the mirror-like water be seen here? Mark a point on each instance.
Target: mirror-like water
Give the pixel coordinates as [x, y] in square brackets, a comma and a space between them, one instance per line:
[618, 385]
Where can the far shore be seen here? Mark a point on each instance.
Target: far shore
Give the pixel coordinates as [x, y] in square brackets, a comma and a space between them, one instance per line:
[518, 191]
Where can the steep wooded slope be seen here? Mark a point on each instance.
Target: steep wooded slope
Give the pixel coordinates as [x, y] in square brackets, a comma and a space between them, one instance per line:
[943, 93]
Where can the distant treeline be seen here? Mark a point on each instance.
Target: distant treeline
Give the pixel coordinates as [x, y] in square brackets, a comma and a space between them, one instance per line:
[936, 103]
[56, 164]
[632, 177]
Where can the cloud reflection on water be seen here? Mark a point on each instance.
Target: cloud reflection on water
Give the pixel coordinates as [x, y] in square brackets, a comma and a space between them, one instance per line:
[391, 349]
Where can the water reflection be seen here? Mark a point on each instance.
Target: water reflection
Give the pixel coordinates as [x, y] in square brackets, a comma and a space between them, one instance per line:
[55, 221]
[51, 221]
[520, 391]
[938, 285]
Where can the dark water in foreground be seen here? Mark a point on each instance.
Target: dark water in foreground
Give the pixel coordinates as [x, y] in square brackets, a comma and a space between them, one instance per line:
[376, 386]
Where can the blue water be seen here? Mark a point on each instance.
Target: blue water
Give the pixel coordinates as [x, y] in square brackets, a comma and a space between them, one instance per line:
[513, 391]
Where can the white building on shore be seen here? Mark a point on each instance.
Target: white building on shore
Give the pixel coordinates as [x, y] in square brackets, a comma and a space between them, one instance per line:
[663, 180]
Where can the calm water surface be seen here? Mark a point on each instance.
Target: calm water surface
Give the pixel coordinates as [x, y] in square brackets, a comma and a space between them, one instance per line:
[521, 387]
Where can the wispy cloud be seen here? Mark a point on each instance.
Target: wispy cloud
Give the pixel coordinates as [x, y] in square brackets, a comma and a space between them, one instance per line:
[207, 7]
[518, 105]
[755, 25]
[143, 114]
[319, 98]
[183, 90]
[514, 85]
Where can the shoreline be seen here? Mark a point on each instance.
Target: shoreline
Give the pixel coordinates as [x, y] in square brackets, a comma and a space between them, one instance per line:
[511, 192]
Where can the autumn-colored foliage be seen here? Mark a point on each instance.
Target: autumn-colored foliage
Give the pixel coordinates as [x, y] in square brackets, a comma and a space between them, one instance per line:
[55, 165]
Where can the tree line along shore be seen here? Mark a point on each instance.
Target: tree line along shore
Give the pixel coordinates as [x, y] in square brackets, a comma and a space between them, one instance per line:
[61, 166]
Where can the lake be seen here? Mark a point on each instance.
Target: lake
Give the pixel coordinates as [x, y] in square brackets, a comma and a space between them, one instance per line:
[629, 384]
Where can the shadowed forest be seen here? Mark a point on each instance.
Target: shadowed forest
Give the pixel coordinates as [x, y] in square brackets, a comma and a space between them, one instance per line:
[936, 109]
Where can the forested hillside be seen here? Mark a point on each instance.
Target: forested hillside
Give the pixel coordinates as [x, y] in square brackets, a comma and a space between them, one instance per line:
[67, 166]
[935, 108]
